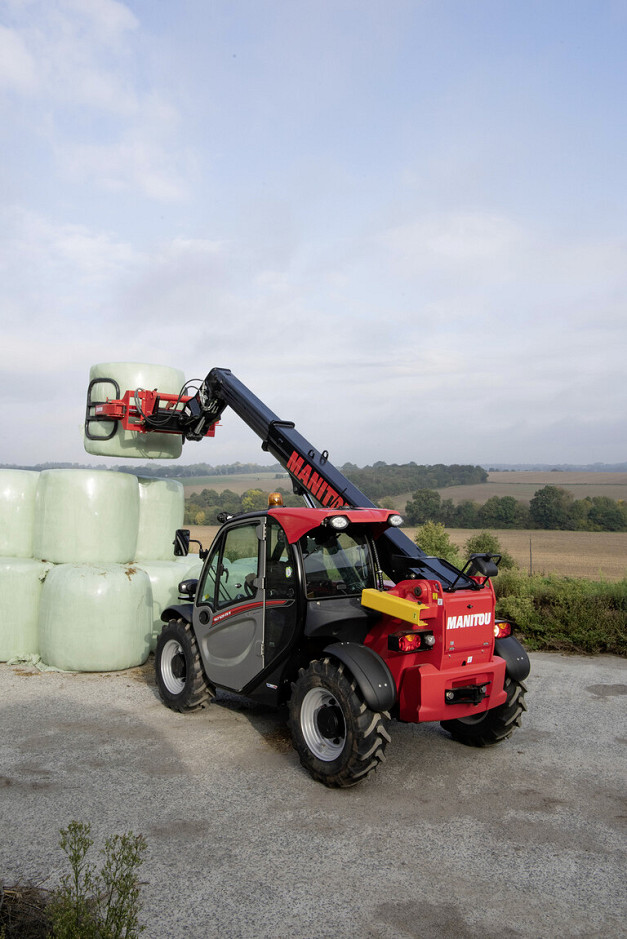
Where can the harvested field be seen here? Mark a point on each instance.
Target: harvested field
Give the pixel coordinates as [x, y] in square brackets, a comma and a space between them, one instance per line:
[589, 554]
[238, 483]
[593, 555]
[523, 485]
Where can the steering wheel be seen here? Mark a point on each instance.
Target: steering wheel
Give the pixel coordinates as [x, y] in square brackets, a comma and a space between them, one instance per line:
[249, 587]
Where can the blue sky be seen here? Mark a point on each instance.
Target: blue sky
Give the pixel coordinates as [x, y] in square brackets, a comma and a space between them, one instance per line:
[402, 224]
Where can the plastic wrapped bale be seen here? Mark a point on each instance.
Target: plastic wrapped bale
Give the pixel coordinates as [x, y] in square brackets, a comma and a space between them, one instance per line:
[17, 512]
[161, 511]
[21, 582]
[108, 438]
[95, 618]
[165, 577]
[86, 516]
[192, 566]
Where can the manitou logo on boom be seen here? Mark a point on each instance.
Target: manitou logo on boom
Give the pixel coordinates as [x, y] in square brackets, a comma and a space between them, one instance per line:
[472, 619]
[315, 484]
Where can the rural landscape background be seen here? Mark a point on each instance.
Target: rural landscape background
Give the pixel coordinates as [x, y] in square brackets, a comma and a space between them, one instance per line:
[562, 535]
[589, 554]
[592, 549]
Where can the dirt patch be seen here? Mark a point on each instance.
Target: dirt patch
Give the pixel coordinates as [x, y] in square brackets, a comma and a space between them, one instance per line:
[23, 912]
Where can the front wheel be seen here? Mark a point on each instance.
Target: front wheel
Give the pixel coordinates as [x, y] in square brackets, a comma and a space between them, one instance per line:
[338, 738]
[490, 727]
[180, 677]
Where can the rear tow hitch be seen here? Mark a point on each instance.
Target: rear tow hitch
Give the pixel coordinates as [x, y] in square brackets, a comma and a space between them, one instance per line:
[468, 694]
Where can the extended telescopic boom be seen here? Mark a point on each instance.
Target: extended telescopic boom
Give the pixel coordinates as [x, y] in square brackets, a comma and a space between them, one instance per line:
[312, 474]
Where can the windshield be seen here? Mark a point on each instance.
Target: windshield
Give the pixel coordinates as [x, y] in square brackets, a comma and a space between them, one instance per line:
[336, 563]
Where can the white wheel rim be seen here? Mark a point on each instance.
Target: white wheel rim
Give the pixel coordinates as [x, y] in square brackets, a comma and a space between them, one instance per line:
[171, 666]
[322, 747]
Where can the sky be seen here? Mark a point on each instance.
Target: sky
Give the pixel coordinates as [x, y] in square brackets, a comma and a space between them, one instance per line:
[401, 223]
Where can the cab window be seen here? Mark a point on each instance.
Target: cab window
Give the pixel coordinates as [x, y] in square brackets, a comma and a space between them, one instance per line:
[336, 563]
[280, 567]
[232, 569]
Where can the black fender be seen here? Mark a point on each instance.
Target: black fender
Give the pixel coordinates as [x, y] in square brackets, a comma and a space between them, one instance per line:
[517, 660]
[369, 671]
[184, 611]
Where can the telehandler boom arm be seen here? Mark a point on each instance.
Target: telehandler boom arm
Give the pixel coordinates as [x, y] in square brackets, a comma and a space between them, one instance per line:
[313, 475]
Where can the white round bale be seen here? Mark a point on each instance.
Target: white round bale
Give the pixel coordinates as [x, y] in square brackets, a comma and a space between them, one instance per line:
[21, 582]
[86, 516]
[161, 511]
[193, 566]
[95, 618]
[127, 443]
[165, 577]
[17, 512]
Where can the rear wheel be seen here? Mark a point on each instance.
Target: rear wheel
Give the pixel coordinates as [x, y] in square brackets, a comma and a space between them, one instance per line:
[338, 738]
[179, 672]
[490, 727]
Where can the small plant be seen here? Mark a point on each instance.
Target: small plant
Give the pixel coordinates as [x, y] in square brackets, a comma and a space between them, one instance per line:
[92, 904]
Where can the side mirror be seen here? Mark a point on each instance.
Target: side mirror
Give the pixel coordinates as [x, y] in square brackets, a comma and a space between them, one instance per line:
[484, 565]
[187, 589]
[181, 542]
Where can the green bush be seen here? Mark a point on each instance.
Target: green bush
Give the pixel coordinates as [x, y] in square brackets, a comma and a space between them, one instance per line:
[98, 904]
[89, 903]
[435, 541]
[563, 613]
[484, 542]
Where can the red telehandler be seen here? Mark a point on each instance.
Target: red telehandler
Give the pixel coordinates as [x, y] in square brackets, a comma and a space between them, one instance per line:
[329, 609]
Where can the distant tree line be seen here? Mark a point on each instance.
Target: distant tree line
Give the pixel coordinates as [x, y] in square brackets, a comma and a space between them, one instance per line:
[551, 508]
[202, 508]
[176, 471]
[170, 471]
[391, 479]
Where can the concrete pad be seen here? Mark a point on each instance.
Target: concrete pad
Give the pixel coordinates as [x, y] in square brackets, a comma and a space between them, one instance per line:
[526, 838]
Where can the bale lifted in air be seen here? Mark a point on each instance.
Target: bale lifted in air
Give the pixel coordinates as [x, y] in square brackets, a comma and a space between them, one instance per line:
[329, 609]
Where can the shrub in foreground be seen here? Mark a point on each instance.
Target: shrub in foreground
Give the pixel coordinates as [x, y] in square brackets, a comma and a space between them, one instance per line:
[89, 903]
[563, 613]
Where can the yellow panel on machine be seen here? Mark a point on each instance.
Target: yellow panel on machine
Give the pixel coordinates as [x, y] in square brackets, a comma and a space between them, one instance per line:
[383, 602]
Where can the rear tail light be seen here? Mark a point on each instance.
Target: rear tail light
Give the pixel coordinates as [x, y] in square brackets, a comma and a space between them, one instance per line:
[502, 629]
[410, 641]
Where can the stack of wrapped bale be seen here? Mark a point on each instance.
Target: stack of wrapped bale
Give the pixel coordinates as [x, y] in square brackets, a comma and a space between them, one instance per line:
[21, 576]
[86, 556]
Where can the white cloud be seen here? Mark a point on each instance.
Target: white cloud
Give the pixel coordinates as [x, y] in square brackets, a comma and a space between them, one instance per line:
[109, 18]
[17, 66]
[92, 97]
[77, 52]
[195, 191]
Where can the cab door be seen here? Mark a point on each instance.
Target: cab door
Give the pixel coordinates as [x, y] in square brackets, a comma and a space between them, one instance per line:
[230, 609]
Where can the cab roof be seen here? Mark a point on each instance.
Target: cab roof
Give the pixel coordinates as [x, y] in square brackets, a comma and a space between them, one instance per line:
[296, 522]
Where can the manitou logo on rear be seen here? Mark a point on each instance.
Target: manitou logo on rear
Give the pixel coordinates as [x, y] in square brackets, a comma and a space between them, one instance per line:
[472, 619]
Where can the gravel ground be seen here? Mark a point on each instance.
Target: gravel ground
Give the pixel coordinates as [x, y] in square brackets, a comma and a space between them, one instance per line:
[443, 841]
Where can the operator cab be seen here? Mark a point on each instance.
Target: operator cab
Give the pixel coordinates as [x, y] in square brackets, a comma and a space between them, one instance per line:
[279, 579]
